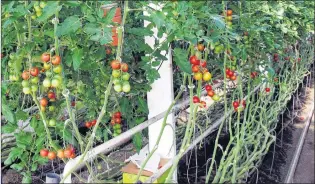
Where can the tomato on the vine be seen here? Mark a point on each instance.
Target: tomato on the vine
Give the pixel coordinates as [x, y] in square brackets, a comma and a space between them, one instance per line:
[267, 90]
[195, 68]
[233, 77]
[93, 122]
[126, 87]
[208, 87]
[44, 102]
[56, 60]
[216, 97]
[118, 88]
[200, 47]
[67, 153]
[88, 124]
[45, 57]
[51, 155]
[211, 93]
[25, 75]
[116, 73]
[203, 64]
[34, 80]
[44, 152]
[46, 83]
[196, 99]
[124, 67]
[203, 104]
[125, 76]
[207, 76]
[25, 83]
[236, 104]
[55, 83]
[194, 60]
[198, 76]
[34, 71]
[60, 154]
[117, 120]
[115, 64]
[57, 69]
[117, 114]
[52, 122]
[229, 12]
[51, 95]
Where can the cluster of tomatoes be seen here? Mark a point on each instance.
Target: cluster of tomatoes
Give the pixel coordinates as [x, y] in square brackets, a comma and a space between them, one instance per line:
[44, 103]
[38, 6]
[211, 93]
[13, 73]
[199, 67]
[53, 71]
[228, 17]
[196, 99]
[30, 80]
[230, 74]
[121, 76]
[236, 105]
[116, 123]
[89, 124]
[69, 152]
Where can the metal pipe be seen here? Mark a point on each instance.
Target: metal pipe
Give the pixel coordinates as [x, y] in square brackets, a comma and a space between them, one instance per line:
[299, 148]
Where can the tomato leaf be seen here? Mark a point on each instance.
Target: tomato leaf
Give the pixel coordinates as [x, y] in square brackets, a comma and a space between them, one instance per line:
[137, 141]
[158, 18]
[77, 58]
[70, 25]
[8, 128]
[143, 106]
[7, 113]
[50, 9]
[14, 154]
[180, 57]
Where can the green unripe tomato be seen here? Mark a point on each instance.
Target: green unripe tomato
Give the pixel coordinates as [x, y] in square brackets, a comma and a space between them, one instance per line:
[118, 131]
[46, 83]
[55, 83]
[25, 83]
[15, 78]
[34, 88]
[52, 122]
[57, 69]
[115, 134]
[48, 73]
[233, 68]
[39, 13]
[51, 108]
[116, 81]
[11, 77]
[34, 80]
[126, 76]
[216, 97]
[117, 126]
[27, 90]
[37, 8]
[229, 24]
[245, 37]
[126, 88]
[33, 17]
[47, 66]
[58, 76]
[116, 73]
[117, 88]
[42, 4]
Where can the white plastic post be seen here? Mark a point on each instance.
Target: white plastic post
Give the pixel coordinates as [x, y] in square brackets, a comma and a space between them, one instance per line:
[159, 99]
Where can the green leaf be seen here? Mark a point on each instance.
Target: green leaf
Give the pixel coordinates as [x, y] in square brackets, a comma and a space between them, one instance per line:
[77, 58]
[9, 128]
[109, 15]
[27, 178]
[21, 115]
[158, 18]
[18, 166]
[70, 25]
[125, 106]
[14, 154]
[105, 135]
[50, 9]
[137, 141]
[180, 57]
[7, 113]
[91, 28]
[140, 31]
[143, 106]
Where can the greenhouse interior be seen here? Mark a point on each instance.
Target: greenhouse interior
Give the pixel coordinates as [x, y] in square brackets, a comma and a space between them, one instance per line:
[155, 91]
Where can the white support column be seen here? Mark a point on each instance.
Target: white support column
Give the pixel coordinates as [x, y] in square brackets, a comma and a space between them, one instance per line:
[159, 99]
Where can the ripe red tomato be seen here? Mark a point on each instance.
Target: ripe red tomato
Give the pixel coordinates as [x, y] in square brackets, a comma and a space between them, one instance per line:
[25, 75]
[200, 47]
[267, 90]
[196, 99]
[51, 155]
[108, 51]
[51, 95]
[60, 154]
[287, 58]
[275, 55]
[44, 152]
[34, 71]
[73, 103]
[56, 60]
[124, 67]
[88, 124]
[72, 155]
[236, 104]
[211, 93]
[93, 122]
[115, 64]
[71, 148]
[299, 59]
[117, 120]
[45, 57]
[208, 87]
[117, 114]
[229, 12]
[44, 102]
[203, 64]
[230, 73]
[193, 59]
[67, 153]
[195, 68]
